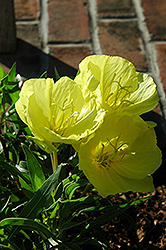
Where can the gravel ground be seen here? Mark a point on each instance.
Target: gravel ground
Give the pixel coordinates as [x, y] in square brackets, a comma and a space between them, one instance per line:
[150, 219]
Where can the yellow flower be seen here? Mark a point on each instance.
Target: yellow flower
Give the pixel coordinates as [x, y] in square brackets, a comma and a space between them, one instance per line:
[57, 113]
[121, 156]
[116, 84]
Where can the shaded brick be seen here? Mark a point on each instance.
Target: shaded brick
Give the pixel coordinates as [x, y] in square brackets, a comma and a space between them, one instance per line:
[161, 59]
[29, 33]
[68, 21]
[26, 9]
[155, 14]
[67, 59]
[123, 39]
[107, 8]
[7, 27]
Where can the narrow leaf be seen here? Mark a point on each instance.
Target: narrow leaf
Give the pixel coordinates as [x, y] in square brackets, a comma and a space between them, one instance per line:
[70, 189]
[12, 73]
[35, 170]
[105, 218]
[57, 76]
[14, 171]
[140, 200]
[6, 247]
[44, 75]
[2, 73]
[28, 224]
[39, 200]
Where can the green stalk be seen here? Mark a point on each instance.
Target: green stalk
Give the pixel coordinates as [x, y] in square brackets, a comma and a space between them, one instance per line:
[54, 160]
[87, 188]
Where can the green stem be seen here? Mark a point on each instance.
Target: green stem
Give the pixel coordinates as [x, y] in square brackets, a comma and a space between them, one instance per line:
[87, 188]
[54, 160]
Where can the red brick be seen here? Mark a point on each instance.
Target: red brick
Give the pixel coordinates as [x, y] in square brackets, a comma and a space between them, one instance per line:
[68, 21]
[161, 59]
[155, 14]
[107, 8]
[26, 9]
[123, 39]
[67, 59]
[29, 33]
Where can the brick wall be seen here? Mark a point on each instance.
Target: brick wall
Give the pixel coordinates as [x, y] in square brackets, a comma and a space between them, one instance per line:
[61, 33]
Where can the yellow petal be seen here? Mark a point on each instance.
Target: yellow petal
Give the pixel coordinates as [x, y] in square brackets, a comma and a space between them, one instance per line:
[145, 98]
[109, 182]
[122, 152]
[116, 85]
[58, 112]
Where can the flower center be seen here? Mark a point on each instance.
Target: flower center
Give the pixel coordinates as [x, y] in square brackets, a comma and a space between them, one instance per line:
[112, 152]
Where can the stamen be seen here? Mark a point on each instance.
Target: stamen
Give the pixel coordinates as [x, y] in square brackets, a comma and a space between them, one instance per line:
[116, 155]
[72, 118]
[120, 98]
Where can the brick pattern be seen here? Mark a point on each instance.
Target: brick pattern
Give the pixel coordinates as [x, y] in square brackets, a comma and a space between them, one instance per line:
[115, 8]
[68, 37]
[68, 22]
[161, 58]
[124, 40]
[71, 57]
[30, 33]
[155, 13]
[26, 9]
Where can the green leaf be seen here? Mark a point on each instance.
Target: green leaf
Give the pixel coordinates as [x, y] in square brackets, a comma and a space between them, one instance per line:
[28, 224]
[57, 76]
[140, 200]
[103, 219]
[2, 73]
[73, 206]
[90, 241]
[14, 198]
[14, 171]
[4, 81]
[27, 189]
[6, 247]
[35, 170]
[12, 73]
[39, 200]
[69, 225]
[14, 94]
[70, 189]
[78, 72]
[44, 75]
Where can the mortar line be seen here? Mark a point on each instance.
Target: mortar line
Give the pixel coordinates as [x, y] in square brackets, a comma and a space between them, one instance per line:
[27, 21]
[71, 44]
[44, 19]
[117, 19]
[159, 42]
[151, 54]
[92, 11]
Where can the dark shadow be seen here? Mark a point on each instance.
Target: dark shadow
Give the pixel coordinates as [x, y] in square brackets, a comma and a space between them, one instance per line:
[159, 176]
[32, 62]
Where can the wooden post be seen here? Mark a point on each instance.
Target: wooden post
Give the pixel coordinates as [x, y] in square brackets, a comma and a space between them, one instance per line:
[7, 27]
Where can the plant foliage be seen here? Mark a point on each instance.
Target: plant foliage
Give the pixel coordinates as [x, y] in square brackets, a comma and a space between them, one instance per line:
[40, 209]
